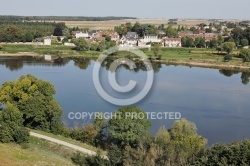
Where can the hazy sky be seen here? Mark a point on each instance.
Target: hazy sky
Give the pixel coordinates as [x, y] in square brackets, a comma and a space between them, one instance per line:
[226, 9]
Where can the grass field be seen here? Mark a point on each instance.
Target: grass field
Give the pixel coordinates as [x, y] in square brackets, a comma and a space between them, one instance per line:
[209, 57]
[37, 152]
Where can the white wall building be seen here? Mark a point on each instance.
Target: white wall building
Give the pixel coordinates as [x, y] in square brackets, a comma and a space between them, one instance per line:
[150, 38]
[47, 42]
[82, 34]
[172, 42]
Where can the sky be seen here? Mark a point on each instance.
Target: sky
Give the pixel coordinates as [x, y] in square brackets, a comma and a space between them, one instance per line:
[219, 9]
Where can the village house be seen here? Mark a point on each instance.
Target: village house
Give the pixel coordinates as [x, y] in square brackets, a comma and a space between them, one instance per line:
[132, 35]
[47, 41]
[171, 42]
[150, 38]
[94, 33]
[130, 39]
[78, 34]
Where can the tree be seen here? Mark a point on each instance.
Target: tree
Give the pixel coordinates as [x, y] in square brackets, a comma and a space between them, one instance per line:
[128, 125]
[245, 55]
[108, 38]
[184, 41]
[171, 32]
[34, 98]
[11, 125]
[101, 46]
[236, 153]
[58, 31]
[185, 141]
[136, 27]
[244, 42]
[28, 37]
[162, 137]
[11, 34]
[220, 40]
[82, 45]
[213, 43]
[190, 42]
[156, 50]
[228, 47]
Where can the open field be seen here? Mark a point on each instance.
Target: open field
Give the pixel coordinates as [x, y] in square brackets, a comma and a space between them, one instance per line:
[37, 152]
[111, 24]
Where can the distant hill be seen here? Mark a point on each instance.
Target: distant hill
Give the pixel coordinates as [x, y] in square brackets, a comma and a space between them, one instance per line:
[4, 18]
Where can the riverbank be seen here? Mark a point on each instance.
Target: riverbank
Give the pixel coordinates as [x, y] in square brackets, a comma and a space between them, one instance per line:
[207, 58]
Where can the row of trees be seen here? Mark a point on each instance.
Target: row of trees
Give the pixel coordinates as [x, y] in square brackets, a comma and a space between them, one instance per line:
[83, 45]
[200, 42]
[59, 18]
[143, 29]
[26, 32]
[128, 142]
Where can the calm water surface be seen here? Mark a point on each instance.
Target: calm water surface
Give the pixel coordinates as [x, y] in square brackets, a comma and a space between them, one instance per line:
[217, 101]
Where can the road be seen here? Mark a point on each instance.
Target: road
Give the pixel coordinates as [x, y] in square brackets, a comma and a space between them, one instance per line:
[75, 147]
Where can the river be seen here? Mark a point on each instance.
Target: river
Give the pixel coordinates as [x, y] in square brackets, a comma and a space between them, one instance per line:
[217, 101]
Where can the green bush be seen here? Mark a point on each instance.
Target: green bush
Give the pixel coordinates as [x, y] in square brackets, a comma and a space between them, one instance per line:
[228, 57]
[1, 47]
[245, 55]
[21, 135]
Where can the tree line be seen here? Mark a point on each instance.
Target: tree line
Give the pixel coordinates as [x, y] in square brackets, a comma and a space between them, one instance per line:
[28, 31]
[59, 18]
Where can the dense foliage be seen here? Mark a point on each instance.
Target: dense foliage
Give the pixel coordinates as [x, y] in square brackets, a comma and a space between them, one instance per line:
[83, 45]
[237, 153]
[34, 99]
[27, 31]
[11, 125]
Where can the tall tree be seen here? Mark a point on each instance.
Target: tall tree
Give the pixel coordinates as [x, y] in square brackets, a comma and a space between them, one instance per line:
[34, 98]
[228, 47]
[128, 125]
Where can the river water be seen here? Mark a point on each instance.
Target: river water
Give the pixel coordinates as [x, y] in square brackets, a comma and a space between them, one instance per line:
[217, 101]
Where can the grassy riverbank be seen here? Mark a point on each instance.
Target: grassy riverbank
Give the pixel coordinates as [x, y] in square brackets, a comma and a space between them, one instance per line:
[177, 56]
[37, 152]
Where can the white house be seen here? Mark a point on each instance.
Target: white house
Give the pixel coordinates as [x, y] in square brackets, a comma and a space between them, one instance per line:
[82, 34]
[150, 38]
[172, 42]
[47, 42]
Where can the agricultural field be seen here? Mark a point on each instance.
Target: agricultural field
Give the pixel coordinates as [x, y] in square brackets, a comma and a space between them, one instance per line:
[104, 25]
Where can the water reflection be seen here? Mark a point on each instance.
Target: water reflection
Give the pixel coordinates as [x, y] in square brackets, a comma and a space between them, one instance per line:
[245, 76]
[17, 63]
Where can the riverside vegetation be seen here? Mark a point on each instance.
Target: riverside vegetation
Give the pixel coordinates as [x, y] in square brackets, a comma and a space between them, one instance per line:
[29, 102]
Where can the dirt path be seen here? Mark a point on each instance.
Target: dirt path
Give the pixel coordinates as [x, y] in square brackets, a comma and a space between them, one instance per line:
[75, 147]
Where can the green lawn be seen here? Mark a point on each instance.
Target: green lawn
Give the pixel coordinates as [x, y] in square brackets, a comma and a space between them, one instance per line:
[181, 55]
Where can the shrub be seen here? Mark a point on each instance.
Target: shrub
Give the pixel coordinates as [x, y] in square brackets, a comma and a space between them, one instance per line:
[228, 57]
[245, 55]
[1, 47]
[21, 135]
